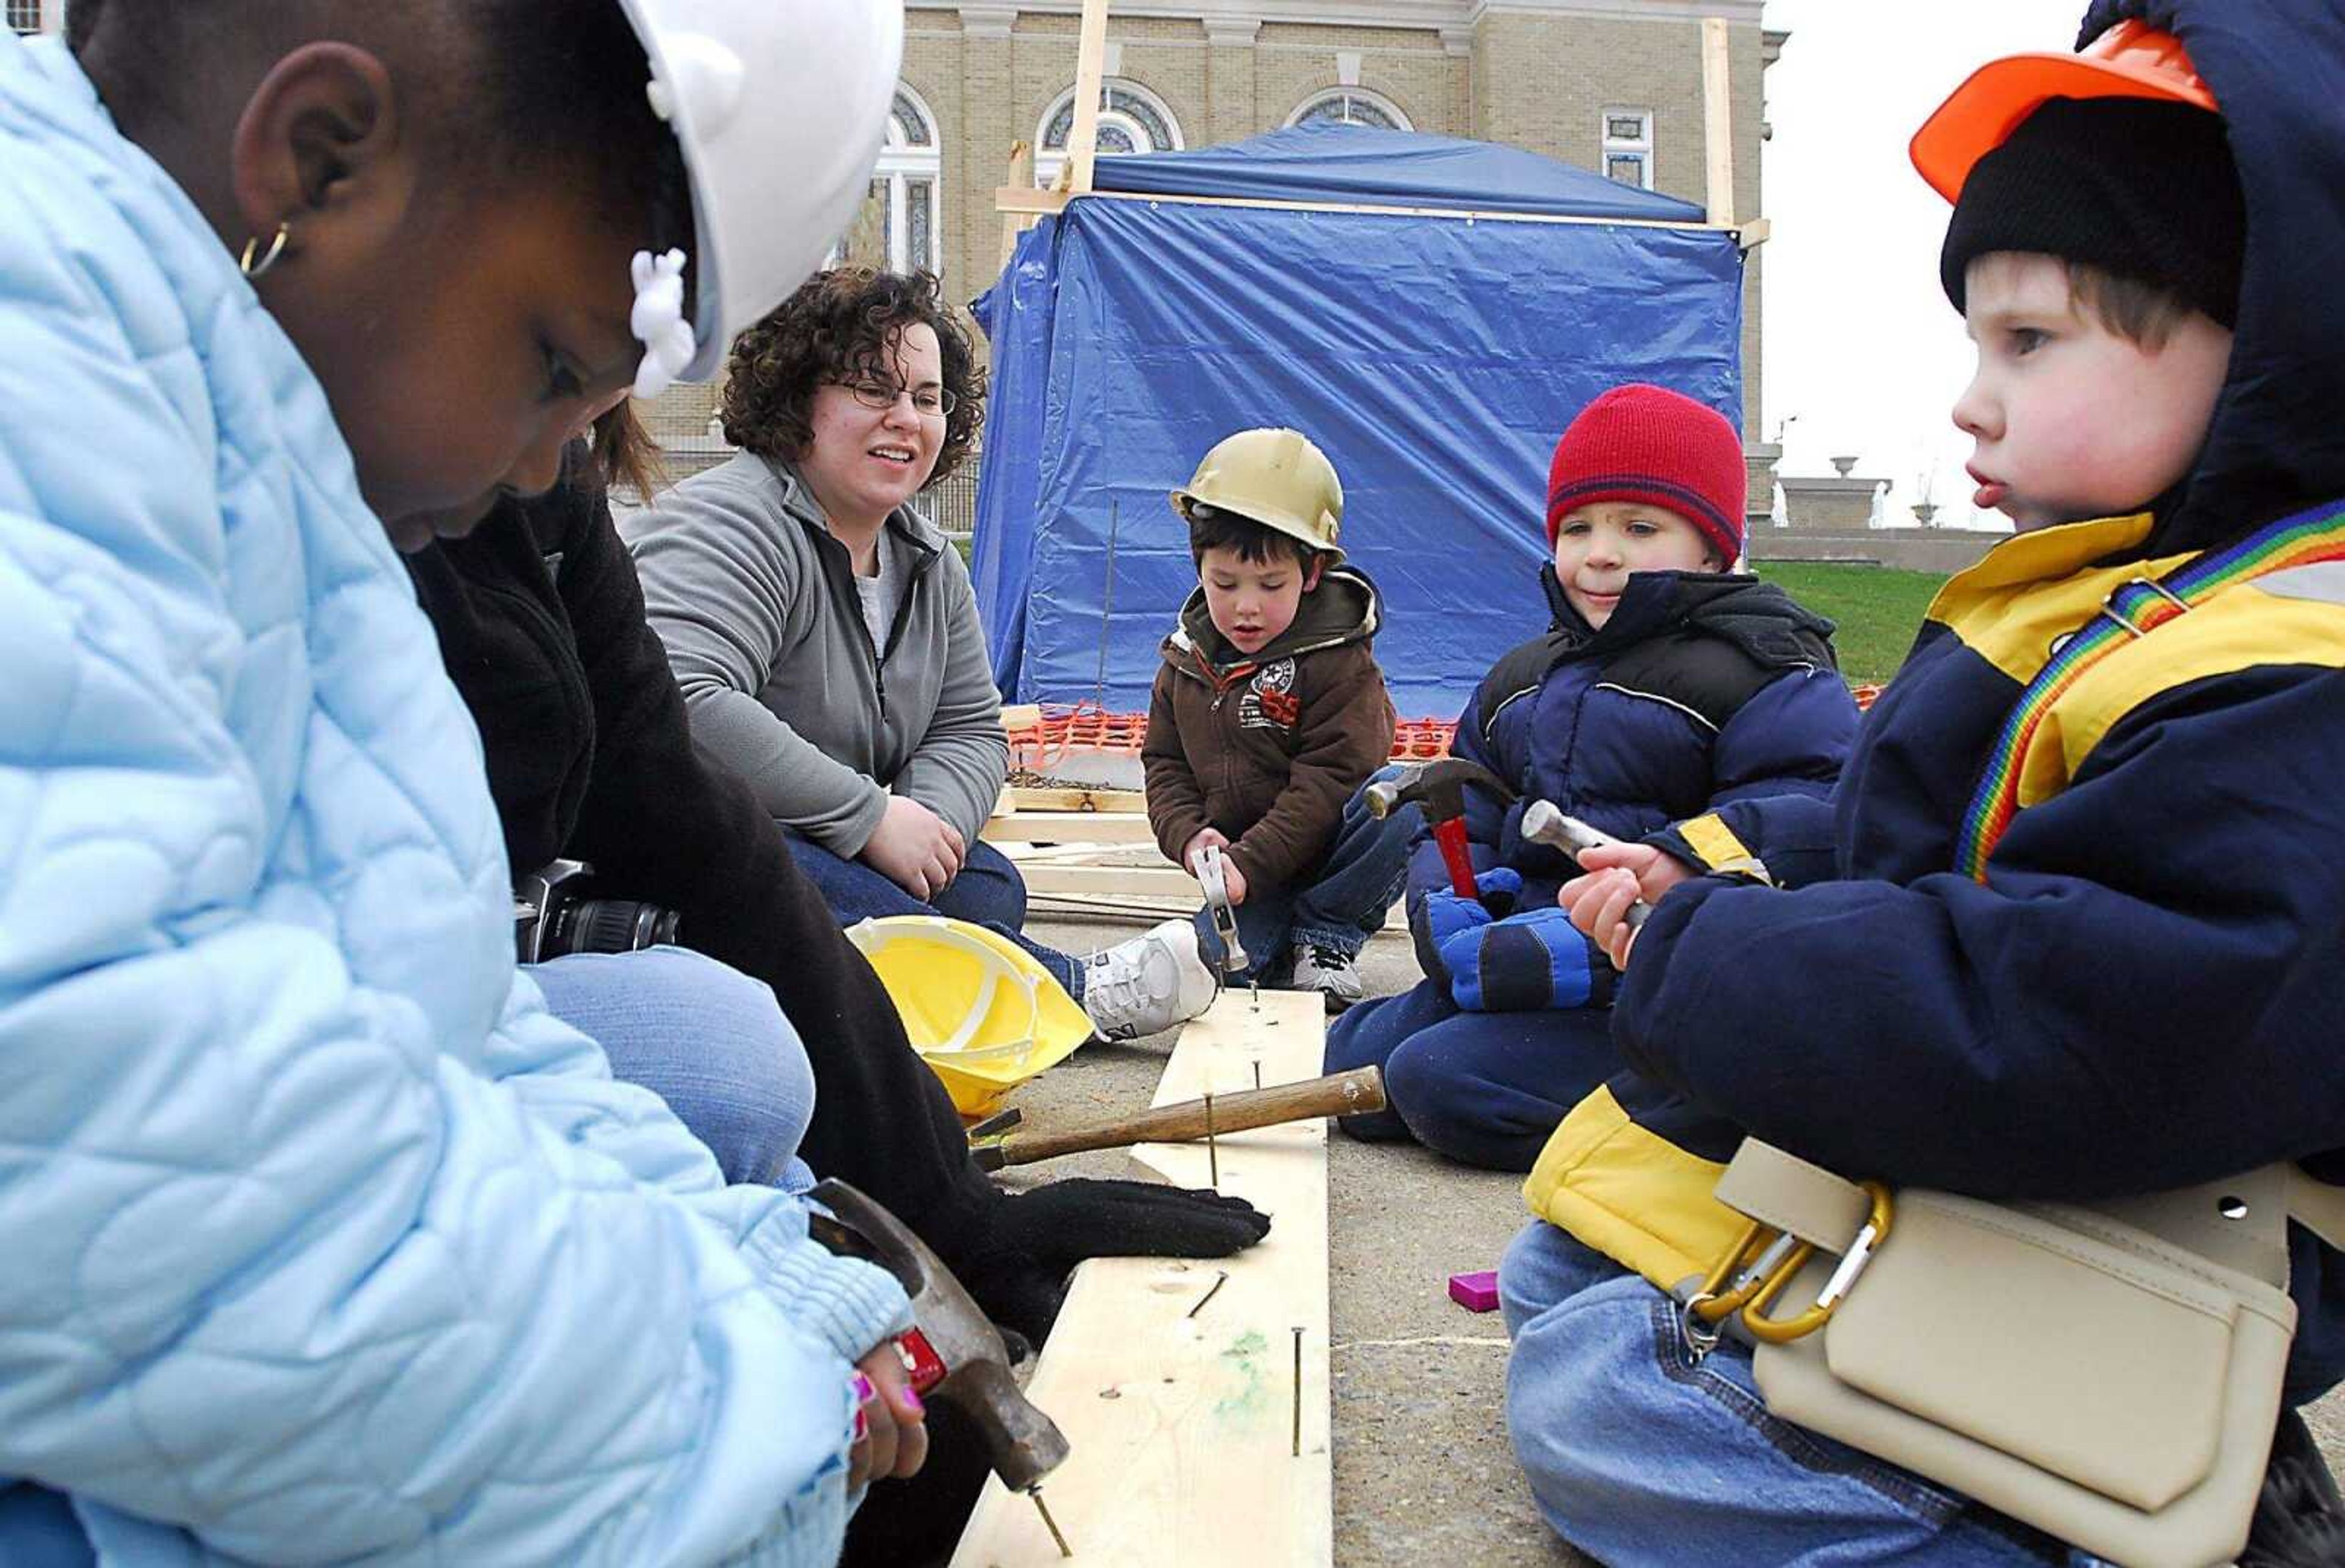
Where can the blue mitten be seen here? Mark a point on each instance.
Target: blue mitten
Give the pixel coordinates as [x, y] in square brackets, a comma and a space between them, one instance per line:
[1525, 963]
[1447, 914]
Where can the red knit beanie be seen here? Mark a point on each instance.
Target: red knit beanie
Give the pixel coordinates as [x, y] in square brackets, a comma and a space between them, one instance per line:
[1641, 443]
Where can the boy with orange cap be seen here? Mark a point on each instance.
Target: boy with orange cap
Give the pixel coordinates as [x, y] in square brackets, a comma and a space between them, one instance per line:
[2068, 930]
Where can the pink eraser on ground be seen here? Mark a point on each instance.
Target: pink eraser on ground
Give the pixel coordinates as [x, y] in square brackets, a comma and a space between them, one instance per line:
[1475, 1293]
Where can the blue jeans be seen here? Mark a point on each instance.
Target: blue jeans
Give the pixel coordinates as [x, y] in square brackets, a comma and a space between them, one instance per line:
[1487, 1089]
[38, 1529]
[705, 1037]
[989, 892]
[1639, 1454]
[1338, 904]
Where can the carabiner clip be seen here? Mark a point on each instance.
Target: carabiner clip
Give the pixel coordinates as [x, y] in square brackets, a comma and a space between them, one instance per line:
[1758, 1266]
[1784, 1330]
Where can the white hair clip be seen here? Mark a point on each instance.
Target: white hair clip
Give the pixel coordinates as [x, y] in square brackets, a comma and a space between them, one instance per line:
[658, 323]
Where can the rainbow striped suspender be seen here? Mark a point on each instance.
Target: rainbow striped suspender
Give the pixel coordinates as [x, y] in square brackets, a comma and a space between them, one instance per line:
[2134, 609]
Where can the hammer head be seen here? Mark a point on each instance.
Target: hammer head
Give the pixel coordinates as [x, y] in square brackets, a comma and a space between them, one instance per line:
[1215, 882]
[1023, 1444]
[1437, 788]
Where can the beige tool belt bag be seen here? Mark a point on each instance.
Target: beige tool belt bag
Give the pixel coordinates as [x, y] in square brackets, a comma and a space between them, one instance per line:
[2110, 1375]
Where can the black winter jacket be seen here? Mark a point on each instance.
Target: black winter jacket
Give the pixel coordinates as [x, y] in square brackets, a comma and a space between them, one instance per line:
[541, 621]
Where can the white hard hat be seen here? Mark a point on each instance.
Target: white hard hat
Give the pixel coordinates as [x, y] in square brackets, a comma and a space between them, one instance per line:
[779, 106]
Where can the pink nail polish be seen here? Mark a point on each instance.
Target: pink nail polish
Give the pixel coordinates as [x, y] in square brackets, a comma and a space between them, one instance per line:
[912, 1398]
[864, 1392]
[862, 1424]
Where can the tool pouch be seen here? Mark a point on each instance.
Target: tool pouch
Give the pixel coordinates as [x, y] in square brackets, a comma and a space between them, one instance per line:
[2110, 1375]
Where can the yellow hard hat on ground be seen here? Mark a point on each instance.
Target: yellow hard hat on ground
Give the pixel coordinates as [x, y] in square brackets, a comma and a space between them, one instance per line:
[980, 1011]
[1276, 477]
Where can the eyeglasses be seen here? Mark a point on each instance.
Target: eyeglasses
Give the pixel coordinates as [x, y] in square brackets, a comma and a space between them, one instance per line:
[928, 401]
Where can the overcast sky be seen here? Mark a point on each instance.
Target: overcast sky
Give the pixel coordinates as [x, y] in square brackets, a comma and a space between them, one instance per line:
[1862, 353]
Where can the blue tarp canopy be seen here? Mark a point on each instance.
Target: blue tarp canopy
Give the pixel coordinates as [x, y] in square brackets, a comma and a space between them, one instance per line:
[1434, 358]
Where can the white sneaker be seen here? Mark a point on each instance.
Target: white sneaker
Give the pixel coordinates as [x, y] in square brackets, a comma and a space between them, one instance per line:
[1331, 974]
[1149, 984]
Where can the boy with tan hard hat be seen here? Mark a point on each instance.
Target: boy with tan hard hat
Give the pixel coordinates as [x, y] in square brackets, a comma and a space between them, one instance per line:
[2068, 931]
[1269, 712]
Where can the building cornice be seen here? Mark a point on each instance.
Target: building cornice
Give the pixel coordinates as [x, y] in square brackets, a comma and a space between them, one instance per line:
[987, 20]
[982, 21]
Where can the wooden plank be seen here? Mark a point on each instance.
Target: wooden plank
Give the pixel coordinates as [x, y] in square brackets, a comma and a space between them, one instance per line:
[1121, 827]
[1718, 122]
[1112, 881]
[1757, 232]
[1090, 67]
[1026, 798]
[1021, 173]
[1182, 1427]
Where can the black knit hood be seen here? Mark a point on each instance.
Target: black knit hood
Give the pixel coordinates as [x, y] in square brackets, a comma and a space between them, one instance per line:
[2277, 442]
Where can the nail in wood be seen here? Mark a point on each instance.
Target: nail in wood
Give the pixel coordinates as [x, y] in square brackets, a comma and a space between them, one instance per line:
[1298, 1393]
[1050, 1523]
[1212, 1150]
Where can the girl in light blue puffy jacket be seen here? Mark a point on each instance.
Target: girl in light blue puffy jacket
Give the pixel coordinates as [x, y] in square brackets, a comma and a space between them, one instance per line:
[320, 1238]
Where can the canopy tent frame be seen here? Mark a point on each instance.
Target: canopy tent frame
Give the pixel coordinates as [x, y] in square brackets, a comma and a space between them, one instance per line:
[1022, 205]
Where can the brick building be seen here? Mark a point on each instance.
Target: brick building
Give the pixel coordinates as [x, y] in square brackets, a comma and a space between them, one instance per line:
[1609, 84]
[29, 17]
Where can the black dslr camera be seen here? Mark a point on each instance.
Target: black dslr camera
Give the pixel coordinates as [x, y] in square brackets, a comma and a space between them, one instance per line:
[553, 915]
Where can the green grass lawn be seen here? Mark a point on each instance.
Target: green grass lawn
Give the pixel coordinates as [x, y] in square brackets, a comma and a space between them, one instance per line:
[1878, 610]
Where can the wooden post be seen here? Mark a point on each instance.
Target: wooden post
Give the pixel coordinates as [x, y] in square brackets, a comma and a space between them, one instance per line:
[1717, 120]
[1090, 67]
[1022, 174]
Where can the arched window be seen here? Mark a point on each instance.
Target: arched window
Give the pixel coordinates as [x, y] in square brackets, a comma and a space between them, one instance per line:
[1351, 106]
[900, 224]
[905, 190]
[1132, 120]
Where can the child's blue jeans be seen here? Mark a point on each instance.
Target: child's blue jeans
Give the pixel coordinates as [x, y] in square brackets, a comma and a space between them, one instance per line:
[1337, 904]
[705, 1037]
[1639, 1454]
[989, 892]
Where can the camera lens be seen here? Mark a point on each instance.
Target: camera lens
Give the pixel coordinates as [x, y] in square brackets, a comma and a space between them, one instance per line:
[613, 925]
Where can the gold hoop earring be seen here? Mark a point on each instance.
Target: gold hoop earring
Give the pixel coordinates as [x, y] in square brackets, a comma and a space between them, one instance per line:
[255, 269]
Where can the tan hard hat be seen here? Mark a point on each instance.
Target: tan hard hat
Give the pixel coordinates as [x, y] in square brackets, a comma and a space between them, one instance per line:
[1276, 478]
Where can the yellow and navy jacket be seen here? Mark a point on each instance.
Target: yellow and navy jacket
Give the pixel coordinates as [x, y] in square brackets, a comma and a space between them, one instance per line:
[2136, 985]
[2126, 972]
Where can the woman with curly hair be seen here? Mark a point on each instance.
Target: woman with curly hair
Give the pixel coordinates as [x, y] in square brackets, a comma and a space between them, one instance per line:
[826, 635]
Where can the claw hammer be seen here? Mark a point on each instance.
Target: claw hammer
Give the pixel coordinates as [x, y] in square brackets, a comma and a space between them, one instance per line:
[1212, 871]
[1437, 788]
[952, 1346]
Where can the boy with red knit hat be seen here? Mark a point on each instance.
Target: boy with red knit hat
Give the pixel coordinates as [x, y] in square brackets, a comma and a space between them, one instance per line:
[1664, 686]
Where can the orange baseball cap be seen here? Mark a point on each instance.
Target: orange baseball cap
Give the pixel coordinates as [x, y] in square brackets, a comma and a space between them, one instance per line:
[2131, 60]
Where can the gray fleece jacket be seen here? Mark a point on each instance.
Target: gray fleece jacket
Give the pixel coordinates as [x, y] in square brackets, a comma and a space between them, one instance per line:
[756, 605]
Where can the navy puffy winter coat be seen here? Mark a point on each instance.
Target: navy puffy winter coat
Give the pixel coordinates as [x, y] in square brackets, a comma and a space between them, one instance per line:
[1702, 688]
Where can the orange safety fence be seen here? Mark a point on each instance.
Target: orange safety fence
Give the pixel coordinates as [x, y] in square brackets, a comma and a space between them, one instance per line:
[1045, 734]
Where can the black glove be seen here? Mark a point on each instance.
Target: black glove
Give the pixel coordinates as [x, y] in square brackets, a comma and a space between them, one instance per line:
[1036, 1237]
[2299, 1518]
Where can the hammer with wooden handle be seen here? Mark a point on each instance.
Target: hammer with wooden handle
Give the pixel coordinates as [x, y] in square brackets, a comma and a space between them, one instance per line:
[1354, 1093]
